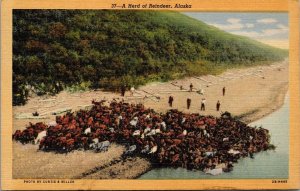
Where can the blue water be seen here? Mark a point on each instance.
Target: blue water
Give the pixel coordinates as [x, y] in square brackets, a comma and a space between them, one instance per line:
[267, 164]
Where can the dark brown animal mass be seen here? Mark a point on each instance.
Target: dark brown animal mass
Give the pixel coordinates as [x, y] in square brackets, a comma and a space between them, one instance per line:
[173, 139]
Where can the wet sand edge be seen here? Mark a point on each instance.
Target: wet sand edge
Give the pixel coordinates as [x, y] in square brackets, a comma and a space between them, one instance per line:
[276, 102]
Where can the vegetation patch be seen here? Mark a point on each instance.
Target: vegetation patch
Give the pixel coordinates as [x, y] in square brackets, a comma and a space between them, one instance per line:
[55, 49]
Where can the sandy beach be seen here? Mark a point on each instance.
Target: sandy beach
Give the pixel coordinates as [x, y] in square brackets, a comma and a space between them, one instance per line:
[251, 93]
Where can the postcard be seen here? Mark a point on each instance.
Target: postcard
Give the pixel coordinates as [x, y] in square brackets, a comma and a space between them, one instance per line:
[150, 95]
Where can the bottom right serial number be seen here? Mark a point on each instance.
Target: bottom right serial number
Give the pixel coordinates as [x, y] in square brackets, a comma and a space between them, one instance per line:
[279, 181]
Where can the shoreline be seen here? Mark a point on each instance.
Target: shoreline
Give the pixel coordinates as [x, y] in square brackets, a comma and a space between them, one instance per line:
[266, 110]
[248, 118]
[251, 117]
[255, 107]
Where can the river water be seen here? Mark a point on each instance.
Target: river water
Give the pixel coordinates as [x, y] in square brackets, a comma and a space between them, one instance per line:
[267, 164]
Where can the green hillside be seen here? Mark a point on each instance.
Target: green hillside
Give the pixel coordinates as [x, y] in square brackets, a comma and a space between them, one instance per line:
[59, 49]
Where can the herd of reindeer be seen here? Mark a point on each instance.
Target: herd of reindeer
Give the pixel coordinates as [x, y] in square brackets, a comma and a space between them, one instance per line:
[173, 139]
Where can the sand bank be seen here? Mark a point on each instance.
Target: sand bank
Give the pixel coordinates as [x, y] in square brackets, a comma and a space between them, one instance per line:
[30, 163]
[251, 93]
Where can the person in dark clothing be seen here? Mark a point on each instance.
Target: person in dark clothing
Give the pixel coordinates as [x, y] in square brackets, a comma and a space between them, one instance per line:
[218, 105]
[123, 89]
[171, 99]
[191, 87]
[188, 102]
[224, 91]
[203, 104]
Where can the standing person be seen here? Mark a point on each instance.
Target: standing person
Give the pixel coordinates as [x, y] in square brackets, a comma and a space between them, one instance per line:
[132, 90]
[123, 89]
[191, 87]
[224, 91]
[203, 104]
[171, 99]
[58, 87]
[218, 105]
[188, 103]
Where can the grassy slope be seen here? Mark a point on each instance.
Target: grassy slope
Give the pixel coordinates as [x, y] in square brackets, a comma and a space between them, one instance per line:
[244, 44]
[193, 25]
[108, 49]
